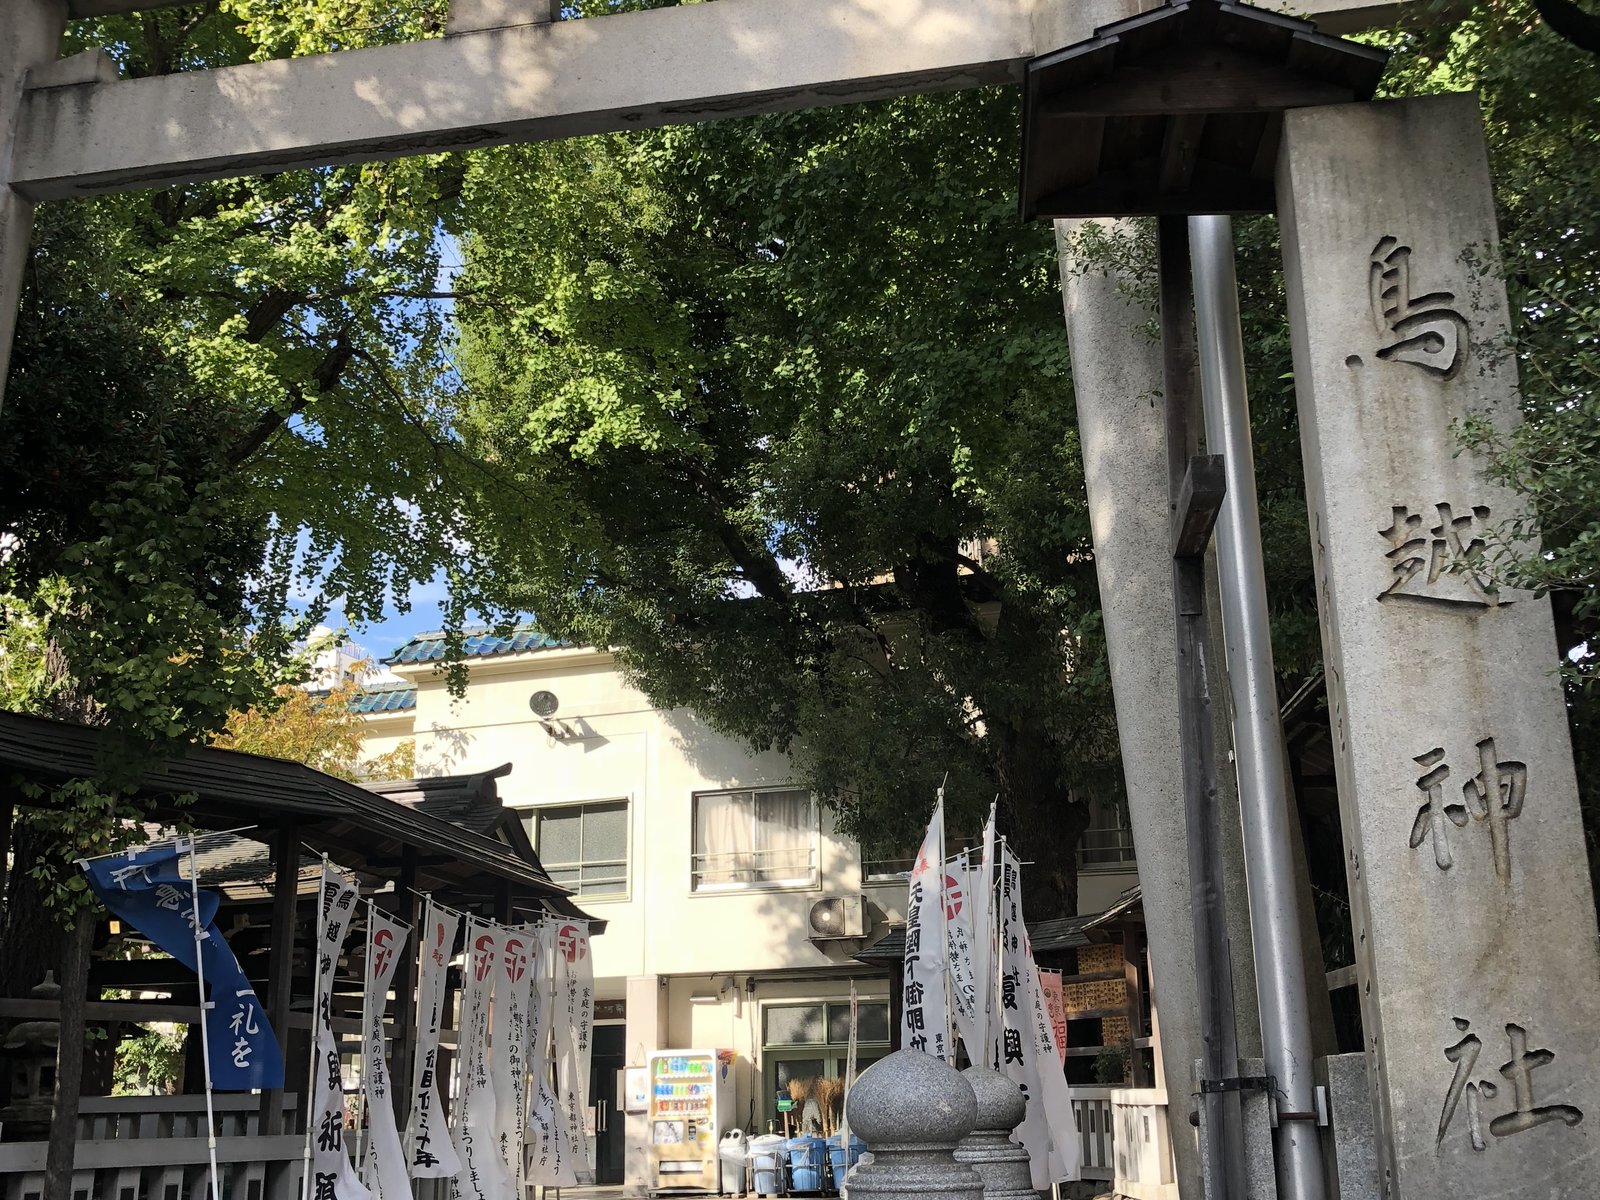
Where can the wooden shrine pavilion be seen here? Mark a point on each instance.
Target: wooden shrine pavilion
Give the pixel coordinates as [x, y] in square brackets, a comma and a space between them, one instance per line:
[270, 823]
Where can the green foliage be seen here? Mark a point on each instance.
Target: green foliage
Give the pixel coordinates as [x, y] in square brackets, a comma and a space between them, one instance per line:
[1541, 100]
[1111, 1067]
[779, 410]
[150, 1063]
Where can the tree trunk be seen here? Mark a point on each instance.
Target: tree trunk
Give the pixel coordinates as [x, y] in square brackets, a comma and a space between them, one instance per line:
[1044, 822]
[69, 1059]
[29, 933]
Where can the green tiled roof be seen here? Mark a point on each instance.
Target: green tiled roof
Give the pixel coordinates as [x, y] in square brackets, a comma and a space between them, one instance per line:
[476, 643]
[385, 698]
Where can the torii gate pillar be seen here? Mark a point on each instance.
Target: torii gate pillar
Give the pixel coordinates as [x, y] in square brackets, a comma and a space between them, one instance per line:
[32, 40]
[1469, 885]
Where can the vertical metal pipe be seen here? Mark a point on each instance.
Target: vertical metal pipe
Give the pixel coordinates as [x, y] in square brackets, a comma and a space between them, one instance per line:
[1221, 1125]
[1257, 730]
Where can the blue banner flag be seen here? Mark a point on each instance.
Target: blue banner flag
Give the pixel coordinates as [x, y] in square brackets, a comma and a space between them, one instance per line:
[146, 888]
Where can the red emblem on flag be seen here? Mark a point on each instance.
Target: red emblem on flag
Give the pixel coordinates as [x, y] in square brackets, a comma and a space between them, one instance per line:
[953, 898]
[381, 951]
[516, 961]
[481, 951]
[571, 943]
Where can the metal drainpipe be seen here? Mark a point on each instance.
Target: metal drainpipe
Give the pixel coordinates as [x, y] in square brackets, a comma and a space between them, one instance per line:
[1257, 728]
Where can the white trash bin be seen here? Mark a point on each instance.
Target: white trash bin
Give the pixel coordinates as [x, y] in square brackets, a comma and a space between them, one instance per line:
[733, 1153]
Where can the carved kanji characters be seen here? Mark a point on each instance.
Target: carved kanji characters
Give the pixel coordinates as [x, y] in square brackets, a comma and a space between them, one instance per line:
[1433, 815]
[1443, 564]
[1518, 1071]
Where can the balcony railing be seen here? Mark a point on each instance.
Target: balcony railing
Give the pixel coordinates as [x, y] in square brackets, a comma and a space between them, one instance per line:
[1104, 849]
[789, 866]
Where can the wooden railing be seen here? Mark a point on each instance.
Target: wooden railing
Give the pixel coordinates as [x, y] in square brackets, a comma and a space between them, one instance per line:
[1143, 1144]
[1123, 1137]
[154, 1148]
[1091, 1109]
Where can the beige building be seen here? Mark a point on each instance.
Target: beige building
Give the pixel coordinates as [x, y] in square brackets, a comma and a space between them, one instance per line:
[734, 909]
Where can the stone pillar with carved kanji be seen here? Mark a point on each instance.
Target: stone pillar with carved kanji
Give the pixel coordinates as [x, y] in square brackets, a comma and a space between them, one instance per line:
[1470, 892]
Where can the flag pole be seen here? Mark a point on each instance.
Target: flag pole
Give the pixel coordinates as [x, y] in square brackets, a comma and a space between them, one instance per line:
[944, 950]
[205, 1007]
[366, 1067]
[316, 1017]
[986, 883]
[999, 948]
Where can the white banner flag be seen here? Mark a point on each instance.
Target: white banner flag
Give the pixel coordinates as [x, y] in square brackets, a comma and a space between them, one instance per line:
[574, 1022]
[330, 1177]
[1050, 1146]
[509, 1065]
[429, 1150]
[385, 940]
[925, 1008]
[549, 1158]
[483, 1176]
[1055, 1094]
[966, 990]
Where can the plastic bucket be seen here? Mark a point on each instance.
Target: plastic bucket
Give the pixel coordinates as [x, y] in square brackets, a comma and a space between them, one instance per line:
[836, 1154]
[806, 1156]
[767, 1154]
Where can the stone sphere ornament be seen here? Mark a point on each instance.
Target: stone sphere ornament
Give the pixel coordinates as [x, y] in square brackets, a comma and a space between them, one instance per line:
[1001, 1163]
[911, 1109]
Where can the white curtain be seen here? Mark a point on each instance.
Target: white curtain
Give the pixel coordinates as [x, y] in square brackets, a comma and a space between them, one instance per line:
[724, 837]
[783, 835]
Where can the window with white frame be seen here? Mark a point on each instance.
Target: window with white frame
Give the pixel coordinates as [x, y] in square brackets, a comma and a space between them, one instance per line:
[583, 846]
[755, 837]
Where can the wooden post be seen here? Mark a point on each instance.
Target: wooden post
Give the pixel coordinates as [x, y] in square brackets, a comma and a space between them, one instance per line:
[7, 812]
[1130, 982]
[405, 985]
[69, 1059]
[1222, 1140]
[280, 965]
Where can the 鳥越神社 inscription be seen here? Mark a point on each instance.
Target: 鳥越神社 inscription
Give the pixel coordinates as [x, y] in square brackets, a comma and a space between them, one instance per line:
[1424, 330]
[1494, 795]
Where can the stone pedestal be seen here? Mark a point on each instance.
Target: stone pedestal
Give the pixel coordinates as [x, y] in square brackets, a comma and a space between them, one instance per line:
[911, 1109]
[1255, 1117]
[1469, 887]
[1000, 1162]
[1349, 1143]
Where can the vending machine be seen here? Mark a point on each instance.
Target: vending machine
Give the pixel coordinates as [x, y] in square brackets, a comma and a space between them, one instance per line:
[691, 1104]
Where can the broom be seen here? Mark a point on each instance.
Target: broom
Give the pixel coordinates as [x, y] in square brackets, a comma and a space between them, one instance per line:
[799, 1092]
[829, 1092]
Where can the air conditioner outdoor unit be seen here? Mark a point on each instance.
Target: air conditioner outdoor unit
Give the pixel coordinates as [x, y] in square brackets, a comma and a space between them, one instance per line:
[838, 917]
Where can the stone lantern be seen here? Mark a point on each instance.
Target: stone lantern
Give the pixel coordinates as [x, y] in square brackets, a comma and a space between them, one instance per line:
[29, 1052]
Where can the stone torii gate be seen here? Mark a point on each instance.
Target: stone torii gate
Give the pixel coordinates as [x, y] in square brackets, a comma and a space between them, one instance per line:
[1477, 960]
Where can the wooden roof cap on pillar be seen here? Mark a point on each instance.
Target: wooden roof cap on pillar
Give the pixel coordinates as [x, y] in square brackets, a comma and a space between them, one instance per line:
[1178, 110]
